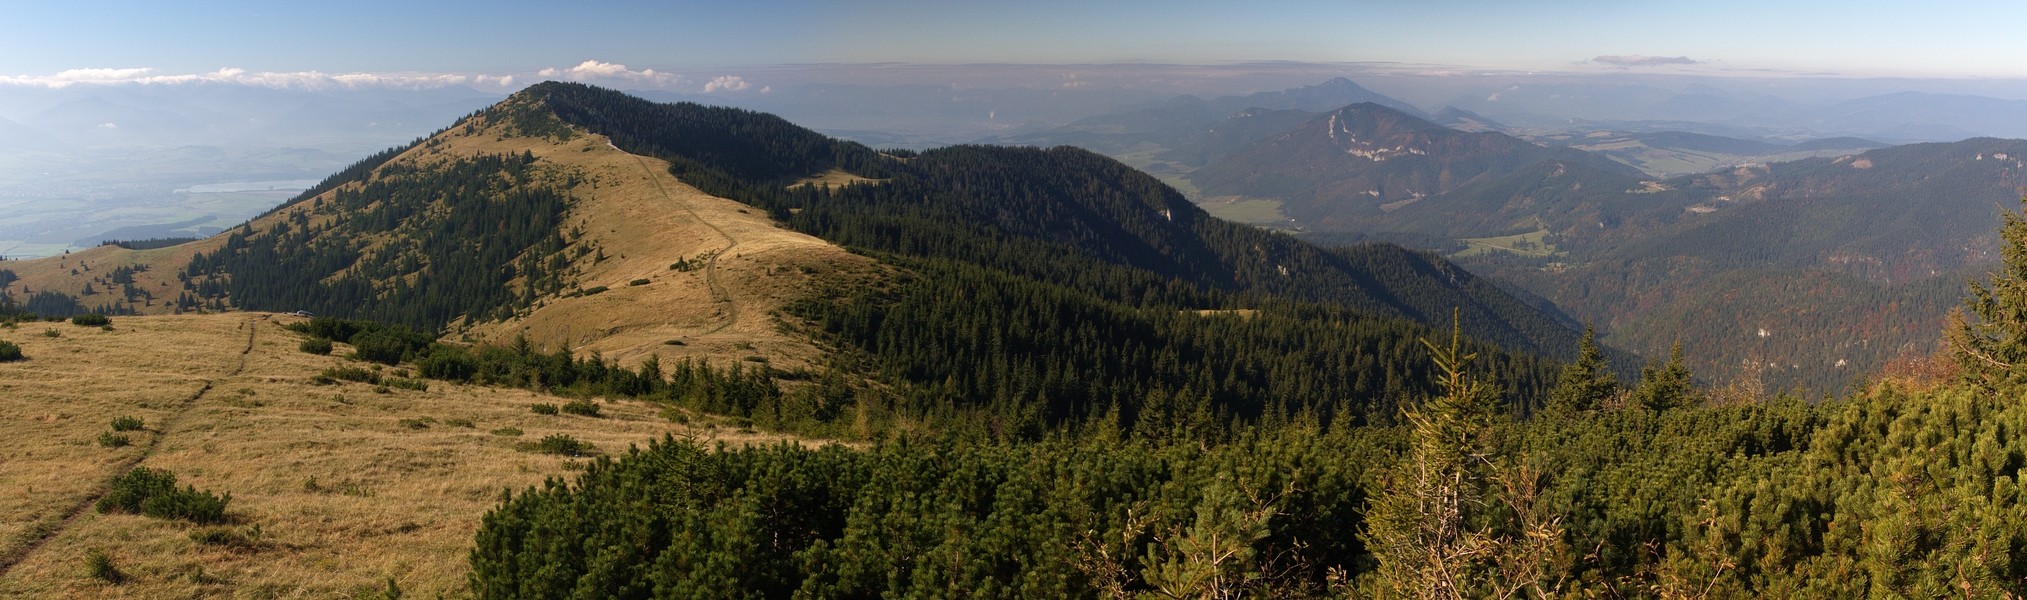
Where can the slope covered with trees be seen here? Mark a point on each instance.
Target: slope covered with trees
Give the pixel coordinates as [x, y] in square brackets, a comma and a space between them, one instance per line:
[1908, 487]
[1024, 291]
[1058, 286]
[1063, 216]
[415, 246]
[1348, 165]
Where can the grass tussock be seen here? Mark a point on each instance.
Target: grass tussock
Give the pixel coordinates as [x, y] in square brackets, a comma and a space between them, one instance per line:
[99, 565]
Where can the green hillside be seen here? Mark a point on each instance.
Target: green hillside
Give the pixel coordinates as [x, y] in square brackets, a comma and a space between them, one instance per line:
[1066, 232]
[1028, 290]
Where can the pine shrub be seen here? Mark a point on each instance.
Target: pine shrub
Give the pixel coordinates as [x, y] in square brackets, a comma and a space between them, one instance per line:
[10, 352]
[316, 345]
[114, 440]
[581, 408]
[153, 493]
[128, 424]
[91, 320]
[97, 565]
[406, 384]
[353, 374]
[558, 444]
[543, 409]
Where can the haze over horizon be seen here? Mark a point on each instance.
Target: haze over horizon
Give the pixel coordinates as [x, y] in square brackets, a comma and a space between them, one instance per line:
[107, 110]
[692, 46]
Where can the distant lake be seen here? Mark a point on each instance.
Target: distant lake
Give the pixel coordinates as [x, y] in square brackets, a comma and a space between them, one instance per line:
[250, 186]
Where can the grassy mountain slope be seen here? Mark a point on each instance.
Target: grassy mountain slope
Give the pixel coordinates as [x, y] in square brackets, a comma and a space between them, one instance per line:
[335, 488]
[492, 229]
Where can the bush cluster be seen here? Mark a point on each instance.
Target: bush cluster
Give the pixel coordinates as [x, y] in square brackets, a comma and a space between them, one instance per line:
[370, 341]
[357, 374]
[316, 345]
[152, 492]
[91, 320]
[580, 408]
[10, 352]
[558, 444]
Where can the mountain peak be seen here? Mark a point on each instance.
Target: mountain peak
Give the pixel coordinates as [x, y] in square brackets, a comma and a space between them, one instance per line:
[1328, 95]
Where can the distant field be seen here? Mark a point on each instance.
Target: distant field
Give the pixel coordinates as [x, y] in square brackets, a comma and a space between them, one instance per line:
[335, 488]
[1245, 210]
[833, 178]
[1525, 244]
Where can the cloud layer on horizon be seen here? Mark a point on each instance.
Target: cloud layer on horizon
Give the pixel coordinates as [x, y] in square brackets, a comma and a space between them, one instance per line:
[590, 71]
[1636, 60]
[300, 80]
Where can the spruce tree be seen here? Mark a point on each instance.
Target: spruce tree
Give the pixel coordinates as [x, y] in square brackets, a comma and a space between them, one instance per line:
[1586, 383]
[1418, 527]
[1990, 345]
[1666, 386]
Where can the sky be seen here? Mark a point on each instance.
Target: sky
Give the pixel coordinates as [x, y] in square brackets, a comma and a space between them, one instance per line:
[515, 38]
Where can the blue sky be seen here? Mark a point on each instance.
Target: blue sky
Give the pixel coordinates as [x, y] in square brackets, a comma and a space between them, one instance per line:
[1848, 38]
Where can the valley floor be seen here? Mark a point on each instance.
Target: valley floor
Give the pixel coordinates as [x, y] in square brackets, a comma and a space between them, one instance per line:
[335, 488]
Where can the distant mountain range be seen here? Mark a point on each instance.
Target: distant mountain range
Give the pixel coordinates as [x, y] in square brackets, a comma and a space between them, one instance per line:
[1630, 229]
[1365, 160]
[1194, 129]
[1659, 260]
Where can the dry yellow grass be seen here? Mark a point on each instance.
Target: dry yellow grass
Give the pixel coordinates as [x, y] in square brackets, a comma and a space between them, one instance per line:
[645, 220]
[348, 487]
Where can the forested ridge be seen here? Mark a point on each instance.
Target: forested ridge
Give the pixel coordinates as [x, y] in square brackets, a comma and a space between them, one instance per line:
[1062, 215]
[1909, 488]
[1613, 487]
[413, 245]
[1048, 288]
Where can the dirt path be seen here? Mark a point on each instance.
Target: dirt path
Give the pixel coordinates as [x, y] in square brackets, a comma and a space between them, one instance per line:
[49, 527]
[718, 290]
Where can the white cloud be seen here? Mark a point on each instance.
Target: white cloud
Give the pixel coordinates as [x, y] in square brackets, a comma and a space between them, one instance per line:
[1635, 60]
[310, 80]
[727, 83]
[592, 70]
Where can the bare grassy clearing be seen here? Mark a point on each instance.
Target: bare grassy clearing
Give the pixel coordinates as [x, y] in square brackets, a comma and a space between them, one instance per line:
[833, 178]
[335, 488]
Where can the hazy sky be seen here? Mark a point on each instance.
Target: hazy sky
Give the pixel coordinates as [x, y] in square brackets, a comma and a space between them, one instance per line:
[1853, 38]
